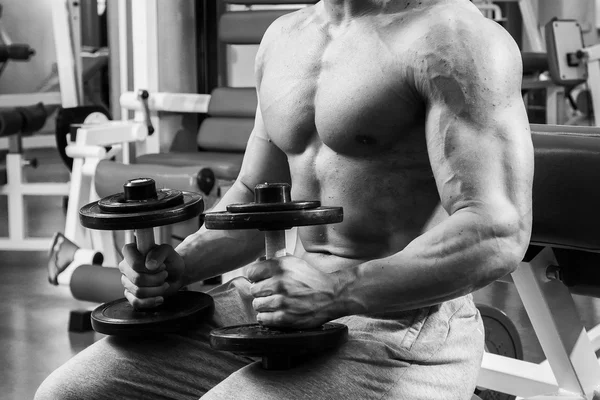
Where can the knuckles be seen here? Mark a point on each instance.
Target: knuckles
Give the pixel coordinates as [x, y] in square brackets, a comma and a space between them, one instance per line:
[122, 266]
[263, 269]
[274, 303]
[137, 303]
[279, 318]
[136, 279]
[278, 302]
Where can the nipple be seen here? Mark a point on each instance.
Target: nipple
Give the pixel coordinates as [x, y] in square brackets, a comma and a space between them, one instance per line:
[364, 139]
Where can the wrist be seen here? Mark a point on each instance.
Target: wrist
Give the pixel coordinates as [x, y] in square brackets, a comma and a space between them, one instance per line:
[186, 279]
[347, 299]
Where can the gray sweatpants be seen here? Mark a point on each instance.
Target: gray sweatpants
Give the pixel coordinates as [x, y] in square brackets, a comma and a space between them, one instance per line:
[429, 353]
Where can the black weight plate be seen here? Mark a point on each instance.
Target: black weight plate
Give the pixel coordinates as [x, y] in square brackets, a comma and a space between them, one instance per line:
[501, 334]
[257, 340]
[177, 313]
[268, 207]
[92, 217]
[502, 338]
[165, 198]
[275, 220]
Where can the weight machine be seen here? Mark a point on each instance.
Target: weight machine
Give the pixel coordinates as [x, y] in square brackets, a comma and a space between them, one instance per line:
[34, 109]
[22, 115]
[88, 144]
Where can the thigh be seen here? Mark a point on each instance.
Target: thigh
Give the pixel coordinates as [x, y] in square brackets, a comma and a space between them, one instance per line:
[384, 358]
[173, 366]
[169, 367]
[450, 371]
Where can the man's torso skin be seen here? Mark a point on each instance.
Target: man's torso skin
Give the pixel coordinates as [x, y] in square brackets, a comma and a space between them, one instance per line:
[341, 103]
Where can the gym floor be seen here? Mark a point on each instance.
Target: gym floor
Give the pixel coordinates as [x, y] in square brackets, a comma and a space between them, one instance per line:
[34, 337]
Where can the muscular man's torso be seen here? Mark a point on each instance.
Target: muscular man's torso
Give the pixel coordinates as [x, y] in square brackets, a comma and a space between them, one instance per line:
[341, 103]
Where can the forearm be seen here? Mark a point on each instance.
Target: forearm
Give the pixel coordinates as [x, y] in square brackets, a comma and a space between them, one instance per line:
[462, 254]
[209, 253]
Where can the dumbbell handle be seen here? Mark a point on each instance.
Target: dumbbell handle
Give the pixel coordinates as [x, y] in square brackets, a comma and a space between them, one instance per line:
[144, 239]
[275, 244]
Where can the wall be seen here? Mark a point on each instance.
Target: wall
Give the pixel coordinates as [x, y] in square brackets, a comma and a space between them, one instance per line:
[240, 59]
[30, 22]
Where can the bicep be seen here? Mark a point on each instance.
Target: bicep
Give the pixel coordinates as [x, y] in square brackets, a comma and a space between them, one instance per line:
[263, 161]
[481, 163]
[478, 134]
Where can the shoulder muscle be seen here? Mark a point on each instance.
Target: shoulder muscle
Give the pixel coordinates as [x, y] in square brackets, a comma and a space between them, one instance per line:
[468, 62]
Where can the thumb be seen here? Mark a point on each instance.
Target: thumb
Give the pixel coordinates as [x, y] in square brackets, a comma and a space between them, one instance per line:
[158, 257]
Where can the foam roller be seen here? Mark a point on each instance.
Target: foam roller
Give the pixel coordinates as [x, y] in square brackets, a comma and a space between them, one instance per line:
[16, 52]
[96, 284]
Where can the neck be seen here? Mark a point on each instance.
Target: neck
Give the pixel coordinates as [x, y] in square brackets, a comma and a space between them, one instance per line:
[342, 10]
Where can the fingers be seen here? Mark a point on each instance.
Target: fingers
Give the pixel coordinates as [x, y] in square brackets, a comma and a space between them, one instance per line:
[148, 280]
[143, 303]
[271, 307]
[262, 269]
[271, 311]
[277, 318]
[277, 311]
[268, 303]
[143, 279]
[159, 256]
[266, 287]
[143, 291]
[139, 263]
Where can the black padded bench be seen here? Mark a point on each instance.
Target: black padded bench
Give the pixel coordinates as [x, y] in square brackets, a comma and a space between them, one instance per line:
[566, 195]
[562, 259]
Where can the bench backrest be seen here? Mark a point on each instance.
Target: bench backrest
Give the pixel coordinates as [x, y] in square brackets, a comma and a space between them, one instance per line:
[566, 187]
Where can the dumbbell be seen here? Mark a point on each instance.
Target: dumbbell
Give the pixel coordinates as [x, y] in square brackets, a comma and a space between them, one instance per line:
[273, 212]
[140, 207]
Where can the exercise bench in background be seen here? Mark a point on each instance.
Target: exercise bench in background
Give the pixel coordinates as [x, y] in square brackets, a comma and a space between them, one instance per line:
[218, 145]
[15, 123]
[563, 258]
[228, 112]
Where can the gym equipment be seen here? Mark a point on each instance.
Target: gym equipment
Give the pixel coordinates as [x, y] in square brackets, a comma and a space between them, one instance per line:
[565, 221]
[571, 64]
[15, 123]
[501, 335]
[273, 211]
[501, 338]
[565, 52]
[68, 120]
[22, 119]
[279, 348]
[64, 252]
[141, 207]
[16, 52]
[96, 284]
[228, 111]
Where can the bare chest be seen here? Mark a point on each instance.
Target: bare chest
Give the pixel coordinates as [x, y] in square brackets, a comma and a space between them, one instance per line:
[350, 93]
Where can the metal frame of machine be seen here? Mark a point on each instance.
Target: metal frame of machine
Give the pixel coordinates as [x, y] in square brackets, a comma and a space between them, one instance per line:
[571, 371]
[17, 188]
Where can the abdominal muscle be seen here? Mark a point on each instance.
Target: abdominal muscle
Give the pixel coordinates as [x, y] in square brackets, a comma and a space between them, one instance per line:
[334, 247]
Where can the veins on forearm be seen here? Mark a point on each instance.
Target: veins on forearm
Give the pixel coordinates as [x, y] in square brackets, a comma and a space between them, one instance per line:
[455, 258]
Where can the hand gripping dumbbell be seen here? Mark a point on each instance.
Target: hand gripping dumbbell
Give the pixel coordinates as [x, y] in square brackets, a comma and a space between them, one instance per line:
[141, 207]
[273, 212]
